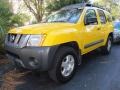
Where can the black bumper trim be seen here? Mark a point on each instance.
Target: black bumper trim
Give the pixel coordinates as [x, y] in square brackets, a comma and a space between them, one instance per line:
[42, 56]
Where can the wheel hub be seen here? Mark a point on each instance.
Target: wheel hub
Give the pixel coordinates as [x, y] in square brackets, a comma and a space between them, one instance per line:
[67, 66]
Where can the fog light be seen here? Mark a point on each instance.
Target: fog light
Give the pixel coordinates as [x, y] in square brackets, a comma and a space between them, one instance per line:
[33, 62]
[20, 62]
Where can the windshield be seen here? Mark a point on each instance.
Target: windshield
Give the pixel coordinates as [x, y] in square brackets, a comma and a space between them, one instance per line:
[71, 16]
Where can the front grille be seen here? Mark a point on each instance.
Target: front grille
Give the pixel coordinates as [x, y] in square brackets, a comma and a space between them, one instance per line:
[14, 38]
[17, 40]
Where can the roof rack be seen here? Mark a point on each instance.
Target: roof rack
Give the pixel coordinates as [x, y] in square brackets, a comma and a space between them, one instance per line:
[98, 6]
[82, 5]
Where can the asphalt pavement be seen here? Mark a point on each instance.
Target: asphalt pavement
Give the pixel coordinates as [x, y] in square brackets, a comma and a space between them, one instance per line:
[97, 72]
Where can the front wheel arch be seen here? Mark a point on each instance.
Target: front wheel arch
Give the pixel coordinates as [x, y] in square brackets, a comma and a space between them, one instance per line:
[75, 46]
[54, 73]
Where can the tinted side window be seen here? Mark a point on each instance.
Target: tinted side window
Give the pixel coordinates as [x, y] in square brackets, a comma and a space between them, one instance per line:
[91, 14]
[102, 16]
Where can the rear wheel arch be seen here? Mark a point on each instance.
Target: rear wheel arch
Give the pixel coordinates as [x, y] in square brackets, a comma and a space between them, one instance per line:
[107, 36]
[111, 35]
[107, 48]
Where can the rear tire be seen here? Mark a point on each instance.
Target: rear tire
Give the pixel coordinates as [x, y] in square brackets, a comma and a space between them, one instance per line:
[107, 48]
[65, 65]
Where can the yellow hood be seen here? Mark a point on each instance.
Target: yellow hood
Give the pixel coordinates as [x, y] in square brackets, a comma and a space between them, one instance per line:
[41, 28]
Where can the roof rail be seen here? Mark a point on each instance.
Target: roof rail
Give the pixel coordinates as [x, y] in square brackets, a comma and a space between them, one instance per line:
[98, 6]
[101, 7]
[82, 5]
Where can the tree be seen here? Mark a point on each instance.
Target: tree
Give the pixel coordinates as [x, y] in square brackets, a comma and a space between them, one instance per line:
[36, 7]
[8, 19]
[5, 14]
[54, 5]
[19, 19]
[111, 5]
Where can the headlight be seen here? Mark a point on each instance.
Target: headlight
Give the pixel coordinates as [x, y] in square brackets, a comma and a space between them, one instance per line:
[35, 40]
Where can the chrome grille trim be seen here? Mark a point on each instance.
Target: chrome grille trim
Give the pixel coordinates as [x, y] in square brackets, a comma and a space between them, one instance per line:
[12, 37]
[19, 42]
[24, 41]
[17, 38]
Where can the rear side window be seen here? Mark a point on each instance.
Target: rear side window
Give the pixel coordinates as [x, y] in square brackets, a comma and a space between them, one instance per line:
[102, 16]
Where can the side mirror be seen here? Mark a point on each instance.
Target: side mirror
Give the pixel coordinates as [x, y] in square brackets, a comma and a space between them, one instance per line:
[90, 21]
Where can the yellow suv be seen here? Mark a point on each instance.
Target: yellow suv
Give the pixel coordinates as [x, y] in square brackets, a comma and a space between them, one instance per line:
[57, 44]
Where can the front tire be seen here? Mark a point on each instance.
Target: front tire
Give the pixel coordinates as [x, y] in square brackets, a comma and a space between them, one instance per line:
[65, 65]
[107, 48]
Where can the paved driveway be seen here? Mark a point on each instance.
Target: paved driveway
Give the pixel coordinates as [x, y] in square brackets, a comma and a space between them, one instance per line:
[97, 72]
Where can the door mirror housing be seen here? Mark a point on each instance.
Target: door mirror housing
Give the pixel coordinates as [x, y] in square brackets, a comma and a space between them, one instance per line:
[91, 21]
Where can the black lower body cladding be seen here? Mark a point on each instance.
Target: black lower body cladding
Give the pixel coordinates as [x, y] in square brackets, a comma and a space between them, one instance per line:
[33, 58]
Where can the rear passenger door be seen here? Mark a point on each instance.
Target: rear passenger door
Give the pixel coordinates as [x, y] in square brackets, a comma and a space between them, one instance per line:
[103, 23]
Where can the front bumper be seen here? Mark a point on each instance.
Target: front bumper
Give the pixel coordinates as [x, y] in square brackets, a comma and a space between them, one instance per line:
[40, 58]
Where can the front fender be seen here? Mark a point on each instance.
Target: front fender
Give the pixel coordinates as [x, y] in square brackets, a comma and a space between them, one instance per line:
[62, 36]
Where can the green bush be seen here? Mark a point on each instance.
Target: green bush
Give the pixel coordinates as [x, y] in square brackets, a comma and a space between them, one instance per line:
[5, 14]
[8, 19]
[2, 37]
